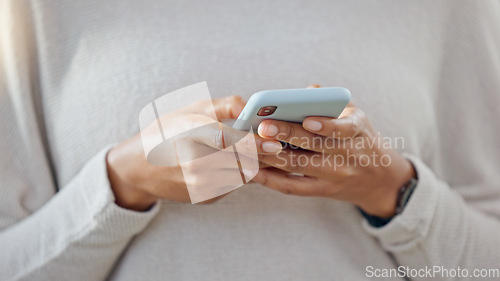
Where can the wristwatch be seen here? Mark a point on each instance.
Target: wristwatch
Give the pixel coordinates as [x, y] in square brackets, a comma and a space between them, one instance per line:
[404, 195]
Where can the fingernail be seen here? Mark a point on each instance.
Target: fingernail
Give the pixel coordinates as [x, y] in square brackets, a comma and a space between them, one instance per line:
[271, 147]
[314, 86]
[312, 125]
[269, 130]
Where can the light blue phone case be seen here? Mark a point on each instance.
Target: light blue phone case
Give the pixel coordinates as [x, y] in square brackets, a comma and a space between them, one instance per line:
[293, 105]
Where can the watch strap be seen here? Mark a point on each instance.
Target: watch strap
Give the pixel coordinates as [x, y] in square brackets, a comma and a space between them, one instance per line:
[404, 195]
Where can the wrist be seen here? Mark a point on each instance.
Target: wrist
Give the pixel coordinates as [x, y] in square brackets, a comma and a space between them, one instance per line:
[384, 200]
[127, 194]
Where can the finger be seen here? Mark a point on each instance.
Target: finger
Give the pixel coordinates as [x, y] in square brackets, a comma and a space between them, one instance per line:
[214, 160]
[313, 86]
[295, 134]
[350, 124]
[285, 182]
[263, 165]
[225, 108]
[221, 136]
[228, 107]
[301, 162]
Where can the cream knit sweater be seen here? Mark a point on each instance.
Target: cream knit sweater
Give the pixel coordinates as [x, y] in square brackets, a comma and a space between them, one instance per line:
[74, 76]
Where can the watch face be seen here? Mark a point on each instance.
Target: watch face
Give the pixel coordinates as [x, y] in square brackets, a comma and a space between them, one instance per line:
[404, 194]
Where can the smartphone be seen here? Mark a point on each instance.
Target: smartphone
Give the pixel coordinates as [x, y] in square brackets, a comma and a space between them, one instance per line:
[292, 105]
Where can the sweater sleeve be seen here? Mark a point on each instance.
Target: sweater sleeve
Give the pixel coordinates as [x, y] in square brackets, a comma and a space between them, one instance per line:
[452, 220]
[440, 232]
[75, 234]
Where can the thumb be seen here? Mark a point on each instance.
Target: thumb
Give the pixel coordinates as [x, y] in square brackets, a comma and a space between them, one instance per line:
[220, 136]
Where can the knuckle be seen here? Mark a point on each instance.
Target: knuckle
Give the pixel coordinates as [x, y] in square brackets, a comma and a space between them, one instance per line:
[345, 173]
[360, 121]
[334, 127]
[286, 188]
[265, 179]
[234, 98]
[219, 139]
[361, 114]
[354, 128]
[317, 142]
[286, 132]
[294, 165]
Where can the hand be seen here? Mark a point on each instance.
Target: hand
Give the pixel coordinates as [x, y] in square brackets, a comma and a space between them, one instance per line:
[137, 184]
[343, 159]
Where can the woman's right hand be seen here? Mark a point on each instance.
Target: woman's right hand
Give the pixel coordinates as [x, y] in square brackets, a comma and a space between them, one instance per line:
[138, 184]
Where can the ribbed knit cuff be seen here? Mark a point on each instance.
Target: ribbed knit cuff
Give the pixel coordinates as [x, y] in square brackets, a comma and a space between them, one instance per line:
[408, 228]
[117, 221]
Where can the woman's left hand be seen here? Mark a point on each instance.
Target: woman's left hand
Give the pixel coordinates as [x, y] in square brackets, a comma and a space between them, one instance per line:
[340, 158]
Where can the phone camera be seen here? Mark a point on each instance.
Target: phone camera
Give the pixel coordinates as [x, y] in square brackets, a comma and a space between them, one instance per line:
[266, 110]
